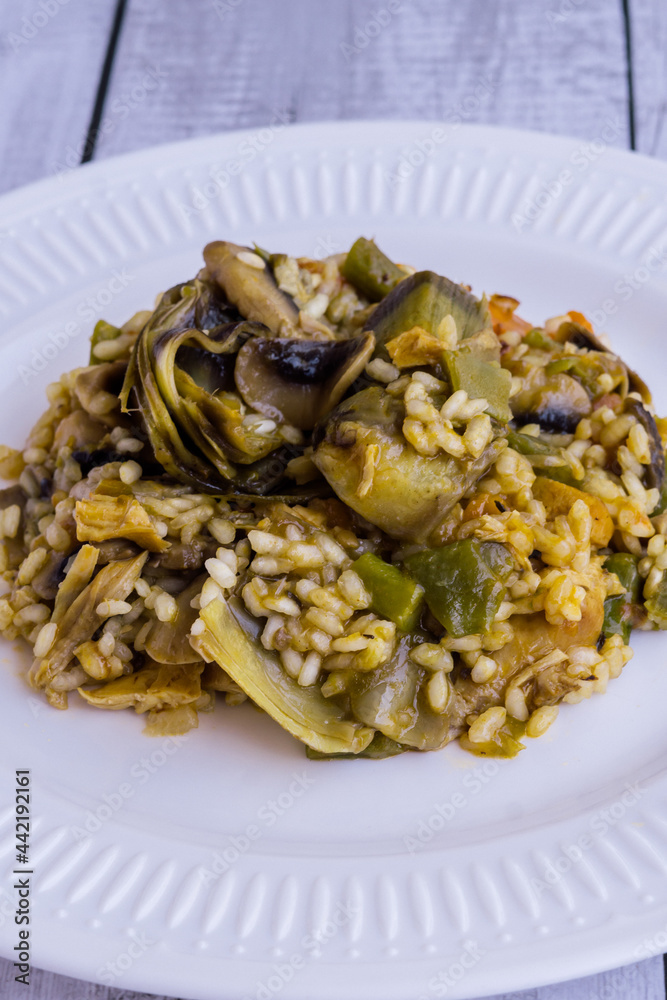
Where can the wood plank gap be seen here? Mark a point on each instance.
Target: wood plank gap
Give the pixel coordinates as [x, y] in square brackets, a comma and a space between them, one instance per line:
[630, 72]
[103, 85]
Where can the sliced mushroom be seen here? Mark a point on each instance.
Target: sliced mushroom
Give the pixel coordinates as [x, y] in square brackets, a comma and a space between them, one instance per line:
[107, 377]
[556, 402]
[299, 381]
[575, 333]
[251, 289]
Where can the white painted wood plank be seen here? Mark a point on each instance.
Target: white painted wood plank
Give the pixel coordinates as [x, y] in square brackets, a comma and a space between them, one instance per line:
[233, 64]
[643, 981]
[555, 66]
[51, 54]
[649, 43]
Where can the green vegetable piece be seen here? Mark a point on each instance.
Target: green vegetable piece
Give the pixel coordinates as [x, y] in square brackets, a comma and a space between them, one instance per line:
[395, 596]
[618, 609]
[379, 748]
[560, 474]
[464, 583]
[424, 299]
[369, 270]
[481, 380]
[562, 365]
[537, 338]
[230, 638]
[656, 605]
[102, 331]
[526, 444]
[662, 502]
[503, 746]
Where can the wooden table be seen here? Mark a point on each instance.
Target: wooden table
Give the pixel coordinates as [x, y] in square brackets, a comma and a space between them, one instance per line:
[87, 79]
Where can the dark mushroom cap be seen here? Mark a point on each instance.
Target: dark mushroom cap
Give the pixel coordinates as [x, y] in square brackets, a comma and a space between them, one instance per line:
[299, 381]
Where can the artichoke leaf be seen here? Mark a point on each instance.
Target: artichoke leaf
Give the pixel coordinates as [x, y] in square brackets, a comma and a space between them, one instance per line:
[155, 686]
[114, 582]
[302, 711]
[103, 517]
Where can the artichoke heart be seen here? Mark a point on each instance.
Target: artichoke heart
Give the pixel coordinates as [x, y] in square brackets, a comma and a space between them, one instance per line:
[180, 376]
[302, 711]
[362, 452]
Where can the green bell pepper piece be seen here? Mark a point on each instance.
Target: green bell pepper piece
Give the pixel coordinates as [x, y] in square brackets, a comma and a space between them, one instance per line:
[617, 609]
[537, 338]
[464, 583]
[369, 270]
[526, 444]
[394, 595]
[481, 380]
[102, 331]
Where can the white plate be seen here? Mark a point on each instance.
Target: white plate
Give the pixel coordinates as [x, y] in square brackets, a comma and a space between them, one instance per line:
[321, 847]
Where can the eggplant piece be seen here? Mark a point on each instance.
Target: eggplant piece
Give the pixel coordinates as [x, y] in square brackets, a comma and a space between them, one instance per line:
[424, 299]
[410, 494]
[299, 381]
[654, 475]
[392, 699]
[253, 291]
[231, 638]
